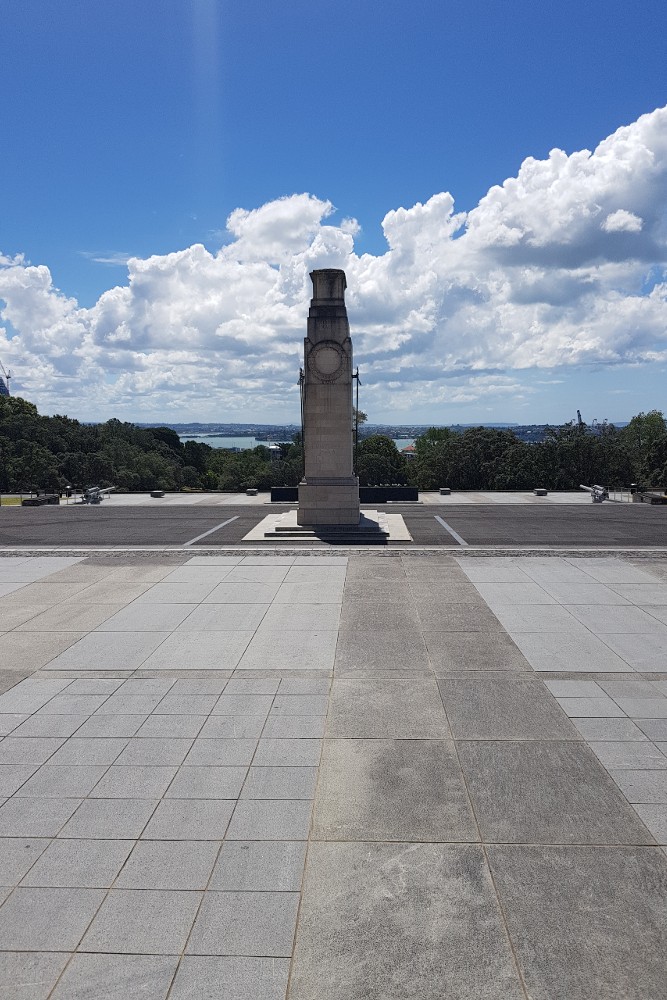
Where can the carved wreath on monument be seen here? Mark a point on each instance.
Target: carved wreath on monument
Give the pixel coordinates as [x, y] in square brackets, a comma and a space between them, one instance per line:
[326, 361]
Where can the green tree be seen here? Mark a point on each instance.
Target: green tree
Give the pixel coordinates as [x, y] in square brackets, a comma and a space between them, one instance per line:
[643, 438]
[379, 462]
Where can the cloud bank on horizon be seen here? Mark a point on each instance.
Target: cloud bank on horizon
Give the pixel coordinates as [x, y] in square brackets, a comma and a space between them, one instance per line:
[563, 265]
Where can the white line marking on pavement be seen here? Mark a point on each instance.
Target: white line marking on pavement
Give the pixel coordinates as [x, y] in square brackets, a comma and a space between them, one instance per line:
[211, 530]
[455, 535]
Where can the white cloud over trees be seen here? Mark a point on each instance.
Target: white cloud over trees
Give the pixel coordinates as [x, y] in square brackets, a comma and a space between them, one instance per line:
[563, 265]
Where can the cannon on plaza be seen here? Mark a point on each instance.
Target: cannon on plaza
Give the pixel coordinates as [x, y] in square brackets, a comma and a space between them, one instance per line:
[598, 493]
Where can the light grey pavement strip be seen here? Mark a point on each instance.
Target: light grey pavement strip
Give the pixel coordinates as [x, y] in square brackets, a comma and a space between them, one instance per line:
[211, 531]
[160, 795]
[455, 535]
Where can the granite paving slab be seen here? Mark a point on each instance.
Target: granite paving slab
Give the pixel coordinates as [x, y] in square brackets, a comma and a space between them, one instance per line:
[259, 924]
[69, 618]
[281, 782]
[143, 921]
[401, 920]
[259, 866]
[223, 617]
[396, 652]
[572, 653]
[29, 651]
[116, 977]
[457, 618]
[630, 755]
[638, 786]
[647, 654]
[147, 618]
[655, 818]
[391, 790]
[11, 722]
[109, 818]
[13, 615]
[30, 975]
[127, 650]
[613, 571]
[288, 752]
[48, 725]
[616, 730]
[513, 593]
[13, 776]
[654, 729]
[369, 568]
[587, 923]
[445, 592]
[189, 819]
[175, 593]
[207, 783]
[517, 618]
[372, 616]
[189, 650]
[386, 708]
[503, 708]
[156, 864]
[546, 793]
[466, 651]
[197, 574]
[241, 592]
[62, 781]
[47, 919]
[627, 619]
[245, 978]
[308, 617]
[392, 591]
[282, 651]
[582, 593]
[306, 593]
[17, 856]
[79, 864]
[134, 782]
[258, 819]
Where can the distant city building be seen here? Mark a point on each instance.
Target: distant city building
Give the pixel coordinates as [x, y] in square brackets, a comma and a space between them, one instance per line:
[4, 389]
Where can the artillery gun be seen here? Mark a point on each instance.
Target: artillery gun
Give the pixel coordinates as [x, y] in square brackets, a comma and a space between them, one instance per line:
[598, 493]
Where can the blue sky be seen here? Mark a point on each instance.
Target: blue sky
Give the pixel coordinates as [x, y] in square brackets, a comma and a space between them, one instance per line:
[137, 130]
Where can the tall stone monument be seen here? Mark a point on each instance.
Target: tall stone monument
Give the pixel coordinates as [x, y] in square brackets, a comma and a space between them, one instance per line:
[329, 491]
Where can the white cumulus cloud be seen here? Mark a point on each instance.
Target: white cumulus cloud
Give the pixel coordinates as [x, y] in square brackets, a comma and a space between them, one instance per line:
[621, 221]
[563, 265]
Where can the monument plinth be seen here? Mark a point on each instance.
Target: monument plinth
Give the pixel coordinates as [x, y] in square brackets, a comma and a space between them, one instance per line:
[329, 491]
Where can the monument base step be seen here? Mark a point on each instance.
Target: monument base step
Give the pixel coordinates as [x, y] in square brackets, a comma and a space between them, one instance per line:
[369, 531]
[374, 528]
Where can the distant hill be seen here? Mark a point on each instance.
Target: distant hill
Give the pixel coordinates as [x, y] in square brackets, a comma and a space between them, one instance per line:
[285, 432]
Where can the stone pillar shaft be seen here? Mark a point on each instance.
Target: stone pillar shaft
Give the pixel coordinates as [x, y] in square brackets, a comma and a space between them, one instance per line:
[329, 491]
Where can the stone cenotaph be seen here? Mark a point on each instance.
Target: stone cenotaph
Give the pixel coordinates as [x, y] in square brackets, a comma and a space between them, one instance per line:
[329, 490]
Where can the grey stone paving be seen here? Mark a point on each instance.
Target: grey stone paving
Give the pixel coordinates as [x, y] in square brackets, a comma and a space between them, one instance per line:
[484, 741]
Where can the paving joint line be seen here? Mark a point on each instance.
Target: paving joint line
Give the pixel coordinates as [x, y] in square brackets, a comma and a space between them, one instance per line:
[204, 534]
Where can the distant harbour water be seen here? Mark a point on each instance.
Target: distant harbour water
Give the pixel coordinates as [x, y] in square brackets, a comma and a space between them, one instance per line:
[251, 442]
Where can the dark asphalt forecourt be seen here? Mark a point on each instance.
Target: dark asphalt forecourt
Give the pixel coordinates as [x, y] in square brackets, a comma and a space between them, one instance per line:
[604, 525]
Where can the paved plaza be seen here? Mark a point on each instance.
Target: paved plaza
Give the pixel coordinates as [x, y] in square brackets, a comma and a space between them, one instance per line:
[185, 521]
[373, 775]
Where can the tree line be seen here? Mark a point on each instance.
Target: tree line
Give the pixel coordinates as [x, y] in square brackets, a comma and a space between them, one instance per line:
[52, 453]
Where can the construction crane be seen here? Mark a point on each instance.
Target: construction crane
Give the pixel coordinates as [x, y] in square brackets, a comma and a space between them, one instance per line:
[5, 376]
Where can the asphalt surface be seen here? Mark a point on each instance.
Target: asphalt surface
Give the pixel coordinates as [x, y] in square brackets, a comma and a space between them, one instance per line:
[604, 525]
